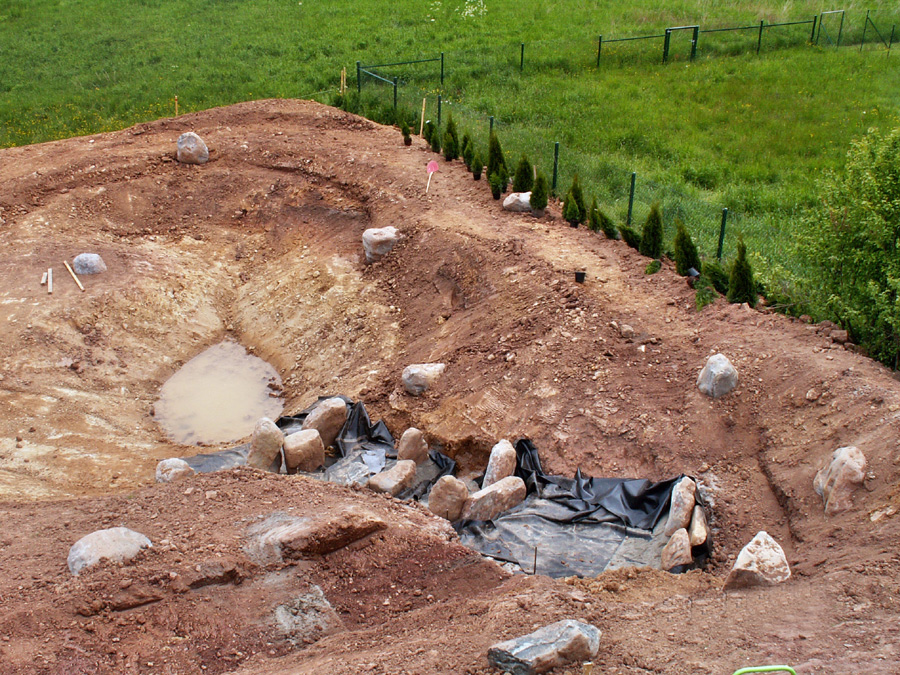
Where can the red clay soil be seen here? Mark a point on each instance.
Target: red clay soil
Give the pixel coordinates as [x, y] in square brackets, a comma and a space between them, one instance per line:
[263, 245]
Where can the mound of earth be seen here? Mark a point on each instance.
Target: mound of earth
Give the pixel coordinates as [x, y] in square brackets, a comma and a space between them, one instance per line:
[263, 245]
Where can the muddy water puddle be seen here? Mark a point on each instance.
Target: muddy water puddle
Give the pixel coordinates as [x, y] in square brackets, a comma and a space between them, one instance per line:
[218, 396]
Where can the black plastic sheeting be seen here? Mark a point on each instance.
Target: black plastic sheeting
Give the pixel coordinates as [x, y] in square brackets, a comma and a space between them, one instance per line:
[363, 449]
[577, 526]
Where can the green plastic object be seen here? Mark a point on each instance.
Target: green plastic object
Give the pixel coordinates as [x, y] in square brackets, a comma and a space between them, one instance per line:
[766, 669]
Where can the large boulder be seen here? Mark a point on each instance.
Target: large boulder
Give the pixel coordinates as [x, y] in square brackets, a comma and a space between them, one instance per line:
[192, 149]
[678, 551]
[501, 463]
[303, 451]
[378, 242]
[699, 529]
[88, 263]
[328, 419]
[681, 507]
[518, 202]
[838, 479]
[173, 469]
[546, 648]
[448, 497]
[395, 480]
[718, 376]
[265, 446]
[490, 502]
[116, 544]
[418, 377]
[413, 446]
[760, 563]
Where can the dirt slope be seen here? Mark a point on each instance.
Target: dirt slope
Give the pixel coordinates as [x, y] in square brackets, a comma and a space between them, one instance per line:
[263, 244]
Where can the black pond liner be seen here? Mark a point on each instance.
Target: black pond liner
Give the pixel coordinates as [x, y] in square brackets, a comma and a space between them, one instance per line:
[578, 526]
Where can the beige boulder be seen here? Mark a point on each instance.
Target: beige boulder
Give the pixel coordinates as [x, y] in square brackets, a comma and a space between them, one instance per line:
[173, 469]
[303, 451]
[699, 529]
[490, 502]
[682, 506]
[328, 419]
[412, 446]
[677, 551]
[396, 479]
[502, 463]
[265, 446]
[448, 497]
[760, 563]
[837, 481]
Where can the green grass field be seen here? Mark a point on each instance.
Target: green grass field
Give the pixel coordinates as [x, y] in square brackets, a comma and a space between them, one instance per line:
[732, 129]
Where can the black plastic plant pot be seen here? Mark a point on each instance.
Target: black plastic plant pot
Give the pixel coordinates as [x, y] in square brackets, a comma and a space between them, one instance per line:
[579, 277]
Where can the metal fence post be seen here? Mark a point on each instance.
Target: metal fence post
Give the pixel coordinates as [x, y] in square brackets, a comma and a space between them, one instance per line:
[599, 49]
[491, 120]
[555, 167]
[722, 234]
[865, 26]
[631, 198]
[522, 58]
[666, 45]
[358, 80]
[762, 23]
[840, 30]
[813, 38]
[442, 69]
[395, 93]
[694, 40]
[439, 111]
[891, 41]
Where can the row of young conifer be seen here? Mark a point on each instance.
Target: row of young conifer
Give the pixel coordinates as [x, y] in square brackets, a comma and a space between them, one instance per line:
[736, 283]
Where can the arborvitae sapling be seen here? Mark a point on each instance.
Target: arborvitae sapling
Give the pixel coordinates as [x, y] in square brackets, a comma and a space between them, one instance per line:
[631, 237]
[477, 165]
[436, 139]
[608, 226]
[467, 150]
[496, 185]
[524, 178]
[540, 192]
[578, 196]
[594, 217]
[686, 255]
[404, 129]
[741, 287]
[451, 140]
[495, 160]
[717, 276]
[571, 213]
[652, 234]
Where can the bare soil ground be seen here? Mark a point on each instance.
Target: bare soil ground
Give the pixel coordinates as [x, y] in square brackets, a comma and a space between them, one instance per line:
[263, 244]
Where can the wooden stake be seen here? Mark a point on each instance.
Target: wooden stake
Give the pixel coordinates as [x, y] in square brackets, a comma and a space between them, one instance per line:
[44, 279]
[50, 280]
[343, 80]
[587, 668]
[74, 276]
[422, 123]
[176, 106]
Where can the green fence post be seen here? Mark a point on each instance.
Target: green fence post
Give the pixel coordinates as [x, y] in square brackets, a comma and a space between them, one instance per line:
[631, 198]
[762, 22]
[865, 26]
[555, 167]
[666, 45]
[722, 234]
[694, 40]
[439, 110]
[599, 49]
[891, 41]
[442, 69]
[491, 120]
[395, 93]
[840, 30]
[813, 38]
[358, 80]
[522, 59]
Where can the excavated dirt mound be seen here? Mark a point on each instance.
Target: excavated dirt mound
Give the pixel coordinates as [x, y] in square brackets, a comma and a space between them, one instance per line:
[263, 245]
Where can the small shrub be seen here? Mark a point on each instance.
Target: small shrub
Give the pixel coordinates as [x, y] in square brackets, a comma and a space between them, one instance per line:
[523, 181]
[435, 140]
[428, 131]
[607, 225]
[593, 219]
[686, 255]
[706, 293]
[451, 140]
[404, 129]
[540, 192]
[466, 142]
[578, 197]
[571, 212]
[467, 151]
[477, 165]
[504, 178]
[741, 287]
[496, 185]
[495, 160]
[652, 234]
[716, 275]
[631, 237]
[653, 267]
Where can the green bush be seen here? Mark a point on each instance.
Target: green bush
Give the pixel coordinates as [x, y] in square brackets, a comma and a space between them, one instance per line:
[741, 287]
[428, 131]
[467, 150]
[570, 212]
[477, 165]
[631, 237]
[435, 140]
[705, 294]
[496, 163]
[652, 234]
[716, 275]
[593, 219]
[578, 196]
[686, 255]
[404, 129]
[540, 192]
[653, 267]
[608, 226]
[523, 181]
[494, 181]
[451, 140]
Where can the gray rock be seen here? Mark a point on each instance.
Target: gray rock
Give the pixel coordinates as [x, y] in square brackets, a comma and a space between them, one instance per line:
[412, 446]
[699, 529]
[518, 202]
[328, 419]
[760, 563]
[307, 618]
[677, 551]
[395, 480]
[418, 377]
[837, 480]
[626, 331]
[173, 469]
[303, 451]
[448, 497]
[546, 648]
[88, 263]
[378, 242]
[117, 544]
[718, 376]
[265, 446]
[192, 149]
[501, 463]
[681, 508]
[490, 502]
